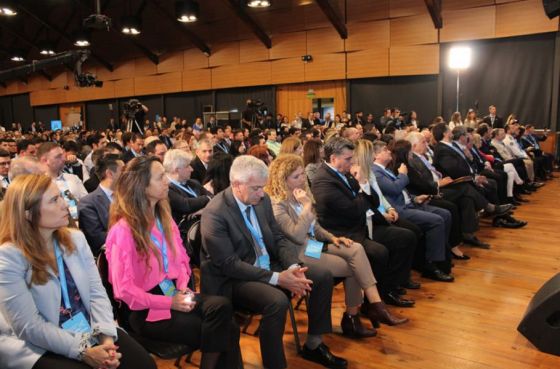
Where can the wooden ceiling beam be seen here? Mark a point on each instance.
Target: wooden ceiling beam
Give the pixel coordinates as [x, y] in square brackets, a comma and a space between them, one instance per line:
[238, 9]
[64, 35]
[333, 17]
[434, 8]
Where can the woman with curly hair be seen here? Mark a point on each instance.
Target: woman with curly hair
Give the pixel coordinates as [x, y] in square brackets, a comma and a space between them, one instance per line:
[293, 209]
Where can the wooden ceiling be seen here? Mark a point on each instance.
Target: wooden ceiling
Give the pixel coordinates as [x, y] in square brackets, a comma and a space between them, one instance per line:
[57, 21]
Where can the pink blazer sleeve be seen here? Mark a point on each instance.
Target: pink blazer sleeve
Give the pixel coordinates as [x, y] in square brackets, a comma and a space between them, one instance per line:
[123, 267]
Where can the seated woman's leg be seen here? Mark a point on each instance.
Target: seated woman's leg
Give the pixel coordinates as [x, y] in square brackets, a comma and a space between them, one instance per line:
[133, 355]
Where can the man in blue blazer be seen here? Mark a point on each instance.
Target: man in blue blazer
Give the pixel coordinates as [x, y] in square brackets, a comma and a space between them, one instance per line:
[93, 209]
[434, 221]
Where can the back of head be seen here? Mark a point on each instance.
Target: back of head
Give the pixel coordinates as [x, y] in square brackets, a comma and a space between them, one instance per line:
[219, 171]
[290, 145]
[312, 151]
[458, 132]
[25, 165]
[439, 130]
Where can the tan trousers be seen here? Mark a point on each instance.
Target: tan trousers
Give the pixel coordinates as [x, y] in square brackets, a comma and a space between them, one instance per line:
[350, 263]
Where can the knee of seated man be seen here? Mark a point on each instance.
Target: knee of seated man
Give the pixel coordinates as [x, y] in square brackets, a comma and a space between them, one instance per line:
[277, 301]
[219, 305]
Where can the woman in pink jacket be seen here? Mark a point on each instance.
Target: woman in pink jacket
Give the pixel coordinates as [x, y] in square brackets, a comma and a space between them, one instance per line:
[149, 270]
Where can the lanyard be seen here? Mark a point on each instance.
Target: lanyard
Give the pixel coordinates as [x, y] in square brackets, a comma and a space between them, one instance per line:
[299, 208]
[391, 174]
[161, 247]
[255, 232]
[187, 189]
[62, 275]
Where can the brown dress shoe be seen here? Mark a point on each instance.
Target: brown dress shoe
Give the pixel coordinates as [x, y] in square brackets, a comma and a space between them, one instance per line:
[352, 327]
[378, 313]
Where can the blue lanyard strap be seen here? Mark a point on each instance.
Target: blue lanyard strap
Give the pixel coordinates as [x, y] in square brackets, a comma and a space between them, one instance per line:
[257, 235]
[187, 189]
[61, 275]
[161, 246]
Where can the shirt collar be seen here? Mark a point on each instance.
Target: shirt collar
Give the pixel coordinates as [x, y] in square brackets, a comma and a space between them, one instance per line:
[108, 192]
[240, 204]
[333, 168]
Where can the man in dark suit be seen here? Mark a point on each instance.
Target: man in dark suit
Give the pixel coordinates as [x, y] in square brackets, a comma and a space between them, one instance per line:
[134, 147]
[93, 209]
[221, 143]
[492, 119]
[245, 256]
[204, 154]
[343, 205]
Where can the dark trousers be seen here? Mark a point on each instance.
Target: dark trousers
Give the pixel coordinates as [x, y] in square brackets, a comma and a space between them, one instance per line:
[468, 201]
[456, 231]
[133, 356]
[390, 252]
[501, 183]
[209, 326]
[272, 304]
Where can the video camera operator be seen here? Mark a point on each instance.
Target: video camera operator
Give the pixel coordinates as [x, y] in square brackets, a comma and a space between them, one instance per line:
[135, 113]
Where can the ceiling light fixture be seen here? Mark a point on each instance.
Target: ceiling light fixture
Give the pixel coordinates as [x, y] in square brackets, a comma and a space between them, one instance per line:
[7, 9]
[46, 49]
[130, 26]
[258, 3]
[82, 40]
[187, 11]
[17, 56]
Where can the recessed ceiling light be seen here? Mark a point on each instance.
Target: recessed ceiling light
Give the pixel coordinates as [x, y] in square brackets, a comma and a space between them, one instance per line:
[258, 3]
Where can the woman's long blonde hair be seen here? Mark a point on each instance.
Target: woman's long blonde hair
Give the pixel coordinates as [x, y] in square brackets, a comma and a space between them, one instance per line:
[363, 156]
[282, 167]
[290, 145]
[131, 204]
[21, 212]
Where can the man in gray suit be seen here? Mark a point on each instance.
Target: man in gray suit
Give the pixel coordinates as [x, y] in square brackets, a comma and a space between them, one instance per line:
[245, 257]
[93, 209]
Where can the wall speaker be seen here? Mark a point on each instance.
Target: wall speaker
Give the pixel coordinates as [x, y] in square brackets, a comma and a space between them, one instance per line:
[541, 323]
[551, 8]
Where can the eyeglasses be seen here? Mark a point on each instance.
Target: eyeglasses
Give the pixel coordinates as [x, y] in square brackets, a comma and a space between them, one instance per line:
[5, 164]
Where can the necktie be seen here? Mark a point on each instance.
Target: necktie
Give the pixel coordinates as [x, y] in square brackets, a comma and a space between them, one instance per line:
[248, 215]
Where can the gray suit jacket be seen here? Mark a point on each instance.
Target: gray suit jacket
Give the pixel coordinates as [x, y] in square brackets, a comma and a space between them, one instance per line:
[29, 313]
[228, 251]
[93, 215]
[295, 227]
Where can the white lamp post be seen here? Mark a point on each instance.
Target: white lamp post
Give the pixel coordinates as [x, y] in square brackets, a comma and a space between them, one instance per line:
[459, 59]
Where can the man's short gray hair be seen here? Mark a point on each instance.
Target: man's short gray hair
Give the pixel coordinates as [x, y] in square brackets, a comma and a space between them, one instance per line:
[414, 138]
[458, 131]
[176, 158]
[378, 146]
[25, 165]
[246, 166]
[202, 142]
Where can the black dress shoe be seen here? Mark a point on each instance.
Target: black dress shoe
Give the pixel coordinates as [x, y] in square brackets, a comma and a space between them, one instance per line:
[322, 355]
[393, 298]
[511, 219]
[401, 291]
[513, 202]
[411, 285]
[499, 210]
[352, 327]
[520, 199]
[437, 274]
[474, 241]
[504, 223]
[460, 257]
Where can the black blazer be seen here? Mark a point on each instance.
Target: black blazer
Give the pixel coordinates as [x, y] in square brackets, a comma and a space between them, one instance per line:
[199, 171]
[339, 210]
[228, 250]
[184, 204]
[498, 121]
[449, 162]
[93, 218]
[420, 178]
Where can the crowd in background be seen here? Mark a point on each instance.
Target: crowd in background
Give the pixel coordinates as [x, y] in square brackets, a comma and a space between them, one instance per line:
[278, 206]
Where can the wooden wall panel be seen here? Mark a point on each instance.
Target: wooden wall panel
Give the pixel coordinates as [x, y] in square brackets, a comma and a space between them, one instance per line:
[406, 8]
[252, 50]
[291, 99]
[364, 10]
[144, 67]
[326, 67]
[124, 87]
[16, 87]
[47, 97]
[523, 18]
[195, 59]
[465, 4]
[197, 79]
[368, 35]
[250, 74]
[413, 30]
[60, 80]
[121, 71]
[158, 84]
[287, 70]
[414, 60]
[172, 62]
[324, 41]
[37, 82]
[458, 24]
[289, 45]
[225, 54]
[368, 63]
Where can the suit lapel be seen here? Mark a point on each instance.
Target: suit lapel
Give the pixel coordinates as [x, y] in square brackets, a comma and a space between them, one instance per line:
[235, 214]
[340, 181]
[103, 205]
